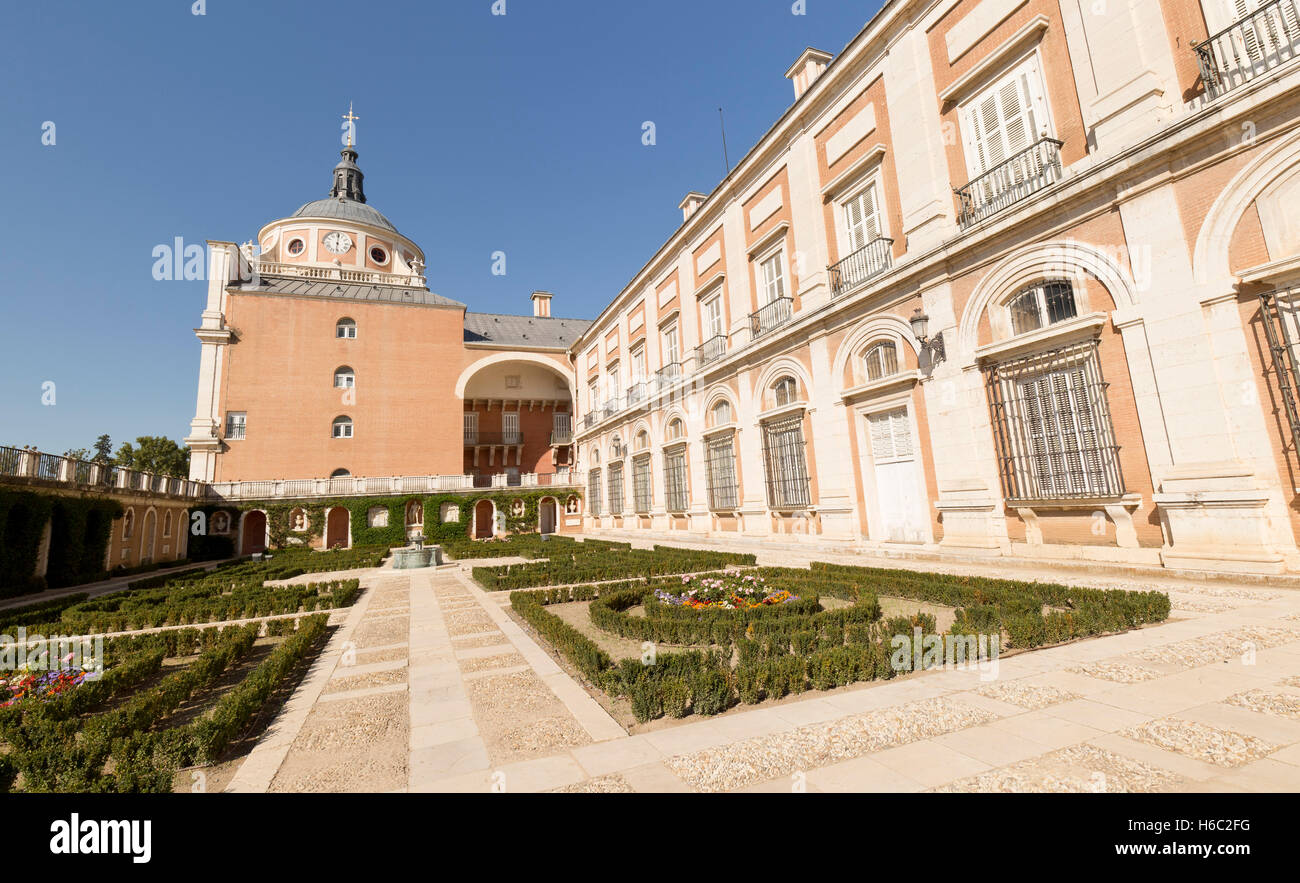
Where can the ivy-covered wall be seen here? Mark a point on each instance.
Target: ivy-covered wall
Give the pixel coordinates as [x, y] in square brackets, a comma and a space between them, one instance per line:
[280, 516]
[80, 528]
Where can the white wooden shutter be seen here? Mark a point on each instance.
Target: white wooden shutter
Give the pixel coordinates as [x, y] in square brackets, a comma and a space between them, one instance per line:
[891, 436]
[861, 220]
[1006, 118]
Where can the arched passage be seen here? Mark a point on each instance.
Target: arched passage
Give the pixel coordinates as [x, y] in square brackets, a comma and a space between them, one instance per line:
[518, 416]
[253, 533]
[547, 516]
[483, 512]
[336, 528]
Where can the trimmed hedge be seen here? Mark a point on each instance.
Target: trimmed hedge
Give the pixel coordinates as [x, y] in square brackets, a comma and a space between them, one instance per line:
[593, 561]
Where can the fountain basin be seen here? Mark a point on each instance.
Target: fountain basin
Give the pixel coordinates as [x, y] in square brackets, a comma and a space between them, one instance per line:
[416, 557]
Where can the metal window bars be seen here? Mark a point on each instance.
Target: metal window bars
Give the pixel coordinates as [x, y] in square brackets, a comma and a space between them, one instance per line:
[1281, 320]
[593, 492]
[1052, 426]
[616, 489]
[1002, 186]
[720, 474]
[788, 485]
[1263, 39]
[642, 495]
[675, 495]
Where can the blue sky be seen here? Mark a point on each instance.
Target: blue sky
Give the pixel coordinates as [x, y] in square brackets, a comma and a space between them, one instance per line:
[478, 133]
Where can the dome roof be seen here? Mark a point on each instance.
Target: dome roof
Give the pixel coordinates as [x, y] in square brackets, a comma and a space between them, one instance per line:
[344, 209]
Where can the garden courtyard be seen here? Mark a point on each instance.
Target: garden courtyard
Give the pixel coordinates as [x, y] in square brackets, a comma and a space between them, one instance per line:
[531, 666]
[435, 683]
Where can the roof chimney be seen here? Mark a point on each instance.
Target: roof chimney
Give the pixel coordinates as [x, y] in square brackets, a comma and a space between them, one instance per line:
[691, 204]
[542, 304]
[807, 68]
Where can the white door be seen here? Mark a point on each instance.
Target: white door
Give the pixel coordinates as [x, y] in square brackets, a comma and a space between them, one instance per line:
[900, 491]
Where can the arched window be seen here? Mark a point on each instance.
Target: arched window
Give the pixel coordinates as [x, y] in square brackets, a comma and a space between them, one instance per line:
[642, 440]
[343, 427]
[344, 377]
[1042, 304]
[721, 414]
[675, 429]
[616, 448]
[346, 329]
[785, 391]
[167, 524]
[340, 473]
[880, 361]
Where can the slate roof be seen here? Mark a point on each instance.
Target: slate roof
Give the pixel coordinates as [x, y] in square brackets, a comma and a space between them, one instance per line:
[357, 291]
[344, 210]
[523, 331]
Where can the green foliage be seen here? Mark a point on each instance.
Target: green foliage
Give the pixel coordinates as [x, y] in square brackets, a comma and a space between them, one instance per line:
[591, 561]
[156, 454]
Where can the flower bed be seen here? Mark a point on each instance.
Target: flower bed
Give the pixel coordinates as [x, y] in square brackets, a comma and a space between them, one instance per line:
[33, 686]
[727, 591]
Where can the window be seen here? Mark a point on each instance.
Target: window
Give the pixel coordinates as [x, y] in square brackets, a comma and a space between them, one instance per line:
[378, 255]
[881, 361]
[1041, 305]
[671, 353]
[593, 395]
[236, 425]
[510, 434]
[721, 473]
[612, 382]
[1005, 119]
[344, 378]
[471, 427]
[346, 329]
[593, 491]
[785, 391]
[675, 495]
[615, 488]
[676, 429]
[616, 448]
[721, 414]
[638, 365]
[167, 524]
[861, 219]
[340, 473]
[642, 441]
[1052, 425]
[771, 277]
[641, 492]
[296, 246]
[713, 324]
[787, 468]
[343, 427]
[891, 436]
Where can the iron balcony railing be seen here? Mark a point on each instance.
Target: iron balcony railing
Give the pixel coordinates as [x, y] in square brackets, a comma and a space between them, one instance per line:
[774, 315]
[236, 431]
[1280, 311]
[637, 393]
[871, 260]
[561, 437]
[487, 439]
[1026, 173]
[589, 419]
[711, 350]
[1262, 40]
[669, 374]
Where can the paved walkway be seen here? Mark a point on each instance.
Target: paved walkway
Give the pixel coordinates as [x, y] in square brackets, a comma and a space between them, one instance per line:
[429, 686]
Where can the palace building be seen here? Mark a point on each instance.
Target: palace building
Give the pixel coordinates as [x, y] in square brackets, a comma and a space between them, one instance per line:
[1009, 278]
[326, 356]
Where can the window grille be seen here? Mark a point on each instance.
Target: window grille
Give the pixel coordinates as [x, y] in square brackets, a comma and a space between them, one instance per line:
[593, 492]
[787, 467]
[641, 492]
[1052, 426]
[721, 474]
[675, 480]
[1281, 320]
[616, 489]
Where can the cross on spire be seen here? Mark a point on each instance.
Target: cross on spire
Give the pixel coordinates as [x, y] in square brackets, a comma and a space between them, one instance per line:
[351, 118]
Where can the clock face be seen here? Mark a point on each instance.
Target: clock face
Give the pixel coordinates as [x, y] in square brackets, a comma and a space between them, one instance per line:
[338, 243]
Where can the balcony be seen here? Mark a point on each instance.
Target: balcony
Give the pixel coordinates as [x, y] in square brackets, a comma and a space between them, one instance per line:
[492, 439]
[351, 486]
[637, 393]
[871, 260]
[560, 437]
[589, 419]
[1264, 39]
[669, 374]
[772, 316]
[340, 274]
[1024, 174]
[711, 350]
[26, 463]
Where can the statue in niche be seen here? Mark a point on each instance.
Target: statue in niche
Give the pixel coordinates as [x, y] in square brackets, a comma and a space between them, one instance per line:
[517, 508]
[571, 506]
[299, 520]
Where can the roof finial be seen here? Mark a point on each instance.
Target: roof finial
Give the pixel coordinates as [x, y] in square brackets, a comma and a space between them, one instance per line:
[351, 120]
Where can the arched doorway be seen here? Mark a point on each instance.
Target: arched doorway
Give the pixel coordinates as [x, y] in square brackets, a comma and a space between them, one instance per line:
[254, 533]
[149, 535]
[483, 519]
[546, 515]
[336, 528]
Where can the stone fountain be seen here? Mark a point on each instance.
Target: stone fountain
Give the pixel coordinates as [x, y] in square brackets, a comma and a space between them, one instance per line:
[417, 555]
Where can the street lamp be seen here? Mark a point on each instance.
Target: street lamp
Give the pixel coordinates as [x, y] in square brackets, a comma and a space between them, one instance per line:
[920, 323]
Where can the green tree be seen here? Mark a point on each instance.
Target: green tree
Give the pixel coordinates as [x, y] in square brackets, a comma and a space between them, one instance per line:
[104, 449]
[156, 454]
[77, 453]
